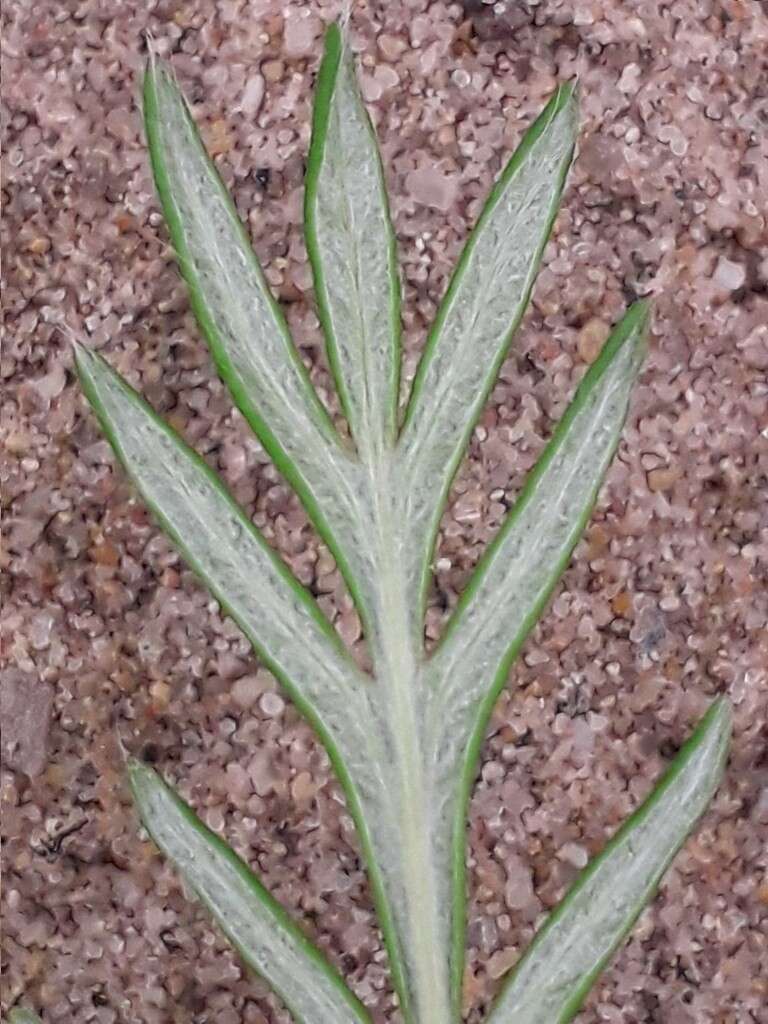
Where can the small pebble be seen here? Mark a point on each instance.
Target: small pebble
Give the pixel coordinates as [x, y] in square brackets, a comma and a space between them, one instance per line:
[272, 704]
[662, 479]
[573, 854]
[729, 274]
[246, 691]
[591, 339]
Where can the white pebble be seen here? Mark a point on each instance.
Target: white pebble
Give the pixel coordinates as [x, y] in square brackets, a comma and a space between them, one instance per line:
[573, 854]
[246, 690]
[729, 274]
[253, 94]
[272, 704]
[429, 186]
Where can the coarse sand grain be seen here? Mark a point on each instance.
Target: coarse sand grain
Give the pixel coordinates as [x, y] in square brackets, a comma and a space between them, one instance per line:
[109, 638]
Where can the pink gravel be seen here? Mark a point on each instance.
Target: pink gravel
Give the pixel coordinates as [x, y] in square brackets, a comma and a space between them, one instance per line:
[107, 633]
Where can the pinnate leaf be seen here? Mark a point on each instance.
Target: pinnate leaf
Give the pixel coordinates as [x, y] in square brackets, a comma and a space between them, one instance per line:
[403, 740]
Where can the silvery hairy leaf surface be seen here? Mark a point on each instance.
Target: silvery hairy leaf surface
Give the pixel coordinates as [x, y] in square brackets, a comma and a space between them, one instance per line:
[404, 737]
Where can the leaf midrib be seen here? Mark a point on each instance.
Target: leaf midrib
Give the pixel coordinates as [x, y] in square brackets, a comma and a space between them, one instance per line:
[398, 659]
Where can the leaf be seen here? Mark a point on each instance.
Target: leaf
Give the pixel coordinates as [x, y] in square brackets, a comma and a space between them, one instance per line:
[278, 616]
[226, 550]
[551, 981]
[245, 328]
[477, 318]
[259, 928]
[404, 739]
[512, 582]
[509, 587]
[351, 246]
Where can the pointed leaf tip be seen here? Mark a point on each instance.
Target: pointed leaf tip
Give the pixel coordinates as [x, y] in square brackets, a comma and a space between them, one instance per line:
[718, 721]
[334, 35]
[640, 311]
[566, 92]
[632, 329]
[564, 99]
[85, 358]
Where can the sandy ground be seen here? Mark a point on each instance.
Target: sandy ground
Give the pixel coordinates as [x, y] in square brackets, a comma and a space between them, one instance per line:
[665, 604]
